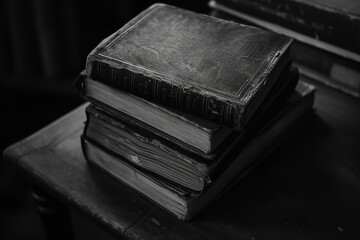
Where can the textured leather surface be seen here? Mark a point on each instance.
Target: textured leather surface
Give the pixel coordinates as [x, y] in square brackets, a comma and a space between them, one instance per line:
[189, 48]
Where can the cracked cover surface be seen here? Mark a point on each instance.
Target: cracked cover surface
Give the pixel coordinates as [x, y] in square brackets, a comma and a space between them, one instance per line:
[189, 48]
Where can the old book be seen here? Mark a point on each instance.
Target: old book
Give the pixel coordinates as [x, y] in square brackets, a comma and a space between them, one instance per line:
[148, 152]
[216, 69]
[199, 135]
[141, 147]
[178, 201]
[333, 25]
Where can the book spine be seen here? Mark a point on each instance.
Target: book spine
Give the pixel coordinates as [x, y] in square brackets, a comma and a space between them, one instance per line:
[175, 96]
[328, 24]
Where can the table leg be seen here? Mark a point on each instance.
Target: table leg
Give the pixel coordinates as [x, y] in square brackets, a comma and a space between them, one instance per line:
[54, 215]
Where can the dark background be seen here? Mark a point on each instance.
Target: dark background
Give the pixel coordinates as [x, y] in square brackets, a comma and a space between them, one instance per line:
[43, 45]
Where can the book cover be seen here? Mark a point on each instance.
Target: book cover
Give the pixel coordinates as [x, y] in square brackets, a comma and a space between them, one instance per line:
[216, 69]
[294, 111]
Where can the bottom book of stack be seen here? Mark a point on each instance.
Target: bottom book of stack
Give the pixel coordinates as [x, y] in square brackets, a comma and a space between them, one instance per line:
[184, 185]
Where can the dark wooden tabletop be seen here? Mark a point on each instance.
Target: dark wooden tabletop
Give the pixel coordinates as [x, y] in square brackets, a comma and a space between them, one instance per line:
[309, 188]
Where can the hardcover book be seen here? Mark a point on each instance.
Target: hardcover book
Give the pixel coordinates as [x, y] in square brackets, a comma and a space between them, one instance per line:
[178, 200]
[198, 135]
[216, 69]
[144, 149]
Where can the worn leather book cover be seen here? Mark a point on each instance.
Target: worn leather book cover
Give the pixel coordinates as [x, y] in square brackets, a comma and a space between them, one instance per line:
[336, 22]
[185, 204]
[139, 146]
[216, 69]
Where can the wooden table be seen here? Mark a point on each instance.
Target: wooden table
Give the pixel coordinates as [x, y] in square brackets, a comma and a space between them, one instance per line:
[309, 188]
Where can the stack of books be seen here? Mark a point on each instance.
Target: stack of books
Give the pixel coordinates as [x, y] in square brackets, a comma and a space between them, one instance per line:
[183, 105]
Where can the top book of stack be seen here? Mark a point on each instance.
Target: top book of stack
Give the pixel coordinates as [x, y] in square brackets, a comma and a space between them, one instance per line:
[216, 69]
